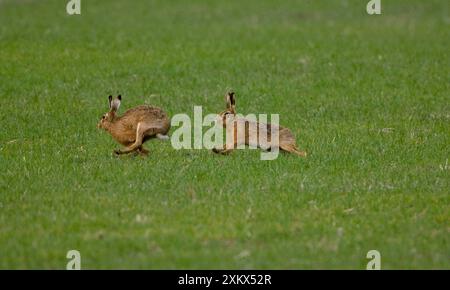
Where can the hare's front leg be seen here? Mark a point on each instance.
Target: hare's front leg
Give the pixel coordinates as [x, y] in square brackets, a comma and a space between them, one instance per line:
[227, 148]
[230, 144]
[141, 130]
[221, 150]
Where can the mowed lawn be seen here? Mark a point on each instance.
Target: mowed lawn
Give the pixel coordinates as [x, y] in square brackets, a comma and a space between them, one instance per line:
[366, 96]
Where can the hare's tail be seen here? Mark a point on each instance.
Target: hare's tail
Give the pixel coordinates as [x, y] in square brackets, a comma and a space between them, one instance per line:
[293, 149]
[162, 137]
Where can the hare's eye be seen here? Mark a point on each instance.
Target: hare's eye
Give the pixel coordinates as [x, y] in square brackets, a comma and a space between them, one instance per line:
[103, 117]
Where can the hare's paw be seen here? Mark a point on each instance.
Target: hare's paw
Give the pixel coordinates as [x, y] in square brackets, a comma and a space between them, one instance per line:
[117, 152]
[143, 152]
[221, 151]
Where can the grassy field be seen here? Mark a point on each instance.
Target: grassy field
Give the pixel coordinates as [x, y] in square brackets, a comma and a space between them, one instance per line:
[366, 96]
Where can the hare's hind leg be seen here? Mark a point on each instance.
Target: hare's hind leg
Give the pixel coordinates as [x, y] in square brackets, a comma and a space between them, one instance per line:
[291, 148]
[162, 137]
[142, 151]
[141, 130]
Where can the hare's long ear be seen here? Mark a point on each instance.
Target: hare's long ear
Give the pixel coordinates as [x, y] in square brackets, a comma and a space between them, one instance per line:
[110, 100]
[115, 104]
[231, 102]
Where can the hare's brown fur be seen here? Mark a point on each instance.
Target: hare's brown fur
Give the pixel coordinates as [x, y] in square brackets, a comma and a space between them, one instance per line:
[252, 129]
[135, 126]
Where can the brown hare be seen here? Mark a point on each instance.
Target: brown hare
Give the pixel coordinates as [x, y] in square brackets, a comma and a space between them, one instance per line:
[135, 126]
[252, 131]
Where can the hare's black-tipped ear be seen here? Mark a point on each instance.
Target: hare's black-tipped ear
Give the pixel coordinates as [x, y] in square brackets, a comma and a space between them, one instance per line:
[231, 102]
[119, 97]
[115, 104]
[110, 100]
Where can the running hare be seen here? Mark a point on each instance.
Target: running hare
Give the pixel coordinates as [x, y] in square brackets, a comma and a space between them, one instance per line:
[135, 126]
[234, 124]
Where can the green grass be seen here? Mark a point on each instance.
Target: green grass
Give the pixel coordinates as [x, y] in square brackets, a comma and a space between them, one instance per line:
[337, 76]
